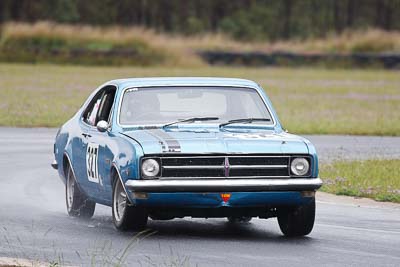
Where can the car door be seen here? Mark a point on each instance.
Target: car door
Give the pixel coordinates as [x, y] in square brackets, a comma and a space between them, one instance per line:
[99, 154]
[85, 150]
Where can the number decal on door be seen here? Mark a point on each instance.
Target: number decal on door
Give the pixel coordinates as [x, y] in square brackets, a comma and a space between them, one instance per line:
[92, 154]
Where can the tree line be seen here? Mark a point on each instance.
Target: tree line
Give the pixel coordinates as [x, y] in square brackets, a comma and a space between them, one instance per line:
[242, 19]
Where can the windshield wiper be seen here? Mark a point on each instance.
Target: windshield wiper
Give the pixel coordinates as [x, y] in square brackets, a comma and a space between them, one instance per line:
[248, 120]
[191, 120]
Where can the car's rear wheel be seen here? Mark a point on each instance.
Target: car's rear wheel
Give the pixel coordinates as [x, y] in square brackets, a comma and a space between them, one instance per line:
[239, 219]
[297, 221]
[125, 215]
[78, 205]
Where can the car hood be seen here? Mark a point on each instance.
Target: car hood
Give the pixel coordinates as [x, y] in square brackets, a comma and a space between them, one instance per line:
[158, 141]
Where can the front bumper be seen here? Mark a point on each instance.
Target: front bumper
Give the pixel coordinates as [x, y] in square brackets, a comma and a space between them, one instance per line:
[223, 185]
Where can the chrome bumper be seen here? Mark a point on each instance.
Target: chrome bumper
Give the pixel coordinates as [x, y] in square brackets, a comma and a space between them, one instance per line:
[224, 185]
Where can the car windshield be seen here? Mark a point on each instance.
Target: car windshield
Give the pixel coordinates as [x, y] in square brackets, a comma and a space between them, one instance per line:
[162, 105]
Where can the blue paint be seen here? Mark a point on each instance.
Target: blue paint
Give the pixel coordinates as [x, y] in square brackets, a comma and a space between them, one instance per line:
[214, 200]
[123, 148]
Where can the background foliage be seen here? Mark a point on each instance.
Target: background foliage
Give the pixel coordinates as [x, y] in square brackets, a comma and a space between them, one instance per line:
[242, 19]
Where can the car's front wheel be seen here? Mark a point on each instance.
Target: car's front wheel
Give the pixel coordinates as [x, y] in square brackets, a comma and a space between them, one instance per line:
[125, 215]
[78, 205]
[297, 221]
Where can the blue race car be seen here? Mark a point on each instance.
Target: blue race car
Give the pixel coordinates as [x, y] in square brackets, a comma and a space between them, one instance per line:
[168, 148]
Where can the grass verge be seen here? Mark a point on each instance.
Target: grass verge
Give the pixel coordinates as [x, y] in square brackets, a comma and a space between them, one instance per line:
[117, 45]
[308, 100]
[45, 42]
[377, 179]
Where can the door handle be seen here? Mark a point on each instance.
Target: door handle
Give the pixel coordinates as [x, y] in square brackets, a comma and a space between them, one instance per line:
[86, 135]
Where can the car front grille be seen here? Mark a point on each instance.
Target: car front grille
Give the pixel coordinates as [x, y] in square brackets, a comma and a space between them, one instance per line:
[231, 166]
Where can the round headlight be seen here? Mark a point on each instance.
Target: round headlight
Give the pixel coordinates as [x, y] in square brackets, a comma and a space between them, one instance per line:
[300, 166]
[150, 168]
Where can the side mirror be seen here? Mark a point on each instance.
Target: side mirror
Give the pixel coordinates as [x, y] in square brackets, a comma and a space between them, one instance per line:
[102, 126]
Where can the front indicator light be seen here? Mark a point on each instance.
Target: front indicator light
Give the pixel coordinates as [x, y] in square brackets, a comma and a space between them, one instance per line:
[308, 193]
[300, 166]
[139, 195]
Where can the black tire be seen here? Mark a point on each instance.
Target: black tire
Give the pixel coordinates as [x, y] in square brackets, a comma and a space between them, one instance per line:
[78, 205]
[241, 219]
[129, 217]
[297, 221]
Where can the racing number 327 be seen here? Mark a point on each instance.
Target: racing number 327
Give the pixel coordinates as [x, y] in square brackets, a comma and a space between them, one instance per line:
[92, 154]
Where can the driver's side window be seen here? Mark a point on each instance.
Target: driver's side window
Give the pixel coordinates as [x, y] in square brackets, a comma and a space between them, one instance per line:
[100, 106]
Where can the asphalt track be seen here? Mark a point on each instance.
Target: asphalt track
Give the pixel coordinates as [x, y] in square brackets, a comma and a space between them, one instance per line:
[34, 224]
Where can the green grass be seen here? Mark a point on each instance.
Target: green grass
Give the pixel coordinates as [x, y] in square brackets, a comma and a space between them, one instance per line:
[308, 100]
[377, 179]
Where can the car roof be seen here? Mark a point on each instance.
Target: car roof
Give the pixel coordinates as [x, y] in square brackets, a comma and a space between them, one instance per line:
[182, 81]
